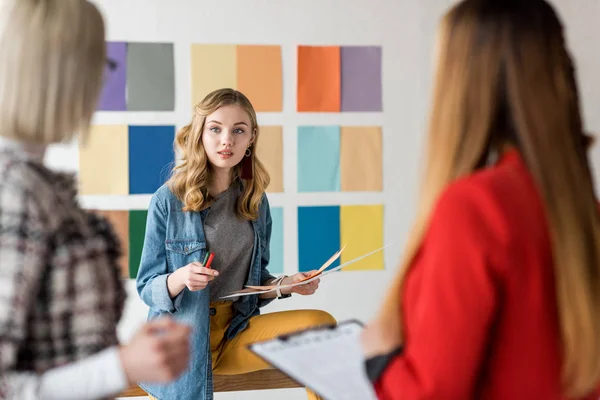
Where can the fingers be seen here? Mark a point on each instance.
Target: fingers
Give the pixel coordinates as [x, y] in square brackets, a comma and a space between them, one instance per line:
[166, 327]
[176, 340]
[198, 281]
[198, 276]
[158, 325]
[198, 268]
[308, 288]
[304, 275]
[173, 350]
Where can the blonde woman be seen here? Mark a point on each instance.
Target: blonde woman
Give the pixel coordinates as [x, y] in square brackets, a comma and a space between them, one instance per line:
[215, 203]
[498, 296]
[60, 293]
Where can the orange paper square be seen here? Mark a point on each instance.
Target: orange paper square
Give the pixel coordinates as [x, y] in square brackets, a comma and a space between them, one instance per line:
[259, 76]
[361, 158]
[270, 152]
[319, 79]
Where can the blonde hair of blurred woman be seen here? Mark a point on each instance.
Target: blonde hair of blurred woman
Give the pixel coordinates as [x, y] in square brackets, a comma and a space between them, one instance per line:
[49, 87]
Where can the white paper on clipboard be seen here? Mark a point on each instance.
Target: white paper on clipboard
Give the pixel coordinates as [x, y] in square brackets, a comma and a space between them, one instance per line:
[328, 360]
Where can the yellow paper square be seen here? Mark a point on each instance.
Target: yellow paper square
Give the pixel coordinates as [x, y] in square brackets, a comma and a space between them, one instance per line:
[361, 158]
[270, 152]
[361, 229]
[103, 161]
[213, 67]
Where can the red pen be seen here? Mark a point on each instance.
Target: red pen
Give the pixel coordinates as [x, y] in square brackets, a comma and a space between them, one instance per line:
[210, 258]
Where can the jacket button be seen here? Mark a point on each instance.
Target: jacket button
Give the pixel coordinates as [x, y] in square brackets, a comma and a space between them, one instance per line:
[212, 311]
[185, 249]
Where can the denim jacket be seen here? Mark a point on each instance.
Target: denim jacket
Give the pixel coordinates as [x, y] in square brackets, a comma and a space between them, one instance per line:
[174, 239]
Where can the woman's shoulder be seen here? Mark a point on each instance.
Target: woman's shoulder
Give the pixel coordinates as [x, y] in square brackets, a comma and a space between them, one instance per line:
[166, 199]
[46, 194]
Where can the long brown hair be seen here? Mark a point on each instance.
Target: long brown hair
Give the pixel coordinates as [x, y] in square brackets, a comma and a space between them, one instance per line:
[192, 175]
[504, 75]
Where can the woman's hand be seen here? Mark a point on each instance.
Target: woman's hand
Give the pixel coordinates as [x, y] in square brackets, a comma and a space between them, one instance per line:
[159, 352]
[379, 337]
[305, 290]
[194, 276]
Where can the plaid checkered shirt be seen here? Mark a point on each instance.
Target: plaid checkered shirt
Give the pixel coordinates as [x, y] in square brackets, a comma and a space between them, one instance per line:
[61, 296]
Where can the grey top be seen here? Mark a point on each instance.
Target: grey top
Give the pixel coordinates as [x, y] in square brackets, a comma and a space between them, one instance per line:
[231, 239]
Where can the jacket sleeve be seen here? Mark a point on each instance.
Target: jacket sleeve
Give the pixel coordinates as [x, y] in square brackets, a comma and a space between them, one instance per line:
[152, 275]
[265, 275]
[458, 296]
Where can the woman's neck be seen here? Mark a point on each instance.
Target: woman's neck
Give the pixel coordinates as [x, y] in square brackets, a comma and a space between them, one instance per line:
[221, 180]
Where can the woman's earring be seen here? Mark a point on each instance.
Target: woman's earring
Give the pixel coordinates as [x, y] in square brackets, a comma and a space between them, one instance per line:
[247, 165]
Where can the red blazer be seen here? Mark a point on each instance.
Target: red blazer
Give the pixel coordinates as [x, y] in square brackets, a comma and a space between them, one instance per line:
[479, 301]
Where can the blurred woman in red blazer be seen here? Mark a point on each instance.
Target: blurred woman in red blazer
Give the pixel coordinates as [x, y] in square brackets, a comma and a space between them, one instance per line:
[498, 294]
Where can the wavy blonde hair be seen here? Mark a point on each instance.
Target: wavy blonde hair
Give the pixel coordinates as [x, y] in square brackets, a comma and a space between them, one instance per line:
[504, 76]
[53, 56]
[192, 176]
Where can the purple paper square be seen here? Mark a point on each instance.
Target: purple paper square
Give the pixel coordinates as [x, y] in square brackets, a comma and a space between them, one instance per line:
[361, 78]
[115, 80]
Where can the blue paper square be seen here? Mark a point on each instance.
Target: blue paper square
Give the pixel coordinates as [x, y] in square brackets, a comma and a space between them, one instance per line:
[151, 157]
[276, 263]
[318, 159]
[318, 236]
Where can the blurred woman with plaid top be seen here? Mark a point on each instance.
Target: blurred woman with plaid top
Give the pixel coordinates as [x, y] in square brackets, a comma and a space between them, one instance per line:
[60, 293]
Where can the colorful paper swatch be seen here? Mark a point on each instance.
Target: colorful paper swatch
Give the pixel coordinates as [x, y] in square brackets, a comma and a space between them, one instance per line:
[114, 89]
[151, 157]
[323, 230]
[150, 77]
[269, 150]
[213, 67]
[254, 70]
[361, 230]
[318, 159]
[276, 266]
[103, 166]
[361, 159]
[318, 78]
[361, 78]
[260, 76]
[137, 232]
[332, 159]
[138, 77]
[334, 78]
[318, 236]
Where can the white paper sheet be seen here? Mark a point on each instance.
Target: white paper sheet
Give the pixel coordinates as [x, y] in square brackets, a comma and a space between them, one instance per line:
[327, 360]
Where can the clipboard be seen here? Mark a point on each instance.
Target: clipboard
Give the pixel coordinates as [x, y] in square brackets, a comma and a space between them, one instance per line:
[327, 359]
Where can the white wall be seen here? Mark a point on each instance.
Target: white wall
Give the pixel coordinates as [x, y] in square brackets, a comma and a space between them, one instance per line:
[405, 29]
